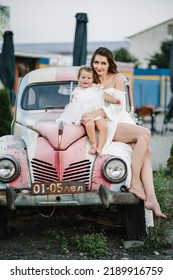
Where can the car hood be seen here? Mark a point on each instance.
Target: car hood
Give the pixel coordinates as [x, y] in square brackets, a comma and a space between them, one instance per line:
[59, 137]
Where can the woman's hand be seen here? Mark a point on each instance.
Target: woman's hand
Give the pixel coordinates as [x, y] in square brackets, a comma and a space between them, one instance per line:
[88, 117]
[93, 115]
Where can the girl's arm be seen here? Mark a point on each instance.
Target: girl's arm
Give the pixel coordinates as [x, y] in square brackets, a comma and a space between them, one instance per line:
[109, 98]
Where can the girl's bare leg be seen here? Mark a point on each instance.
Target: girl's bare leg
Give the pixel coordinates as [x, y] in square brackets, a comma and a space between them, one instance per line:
[129, 133]
[90, 129]
[147, 180]
[102, 130]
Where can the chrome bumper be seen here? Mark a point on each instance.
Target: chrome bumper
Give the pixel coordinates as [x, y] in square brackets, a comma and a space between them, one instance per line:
[102, 197]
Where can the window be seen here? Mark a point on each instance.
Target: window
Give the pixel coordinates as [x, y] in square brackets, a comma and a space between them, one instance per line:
[51, 95]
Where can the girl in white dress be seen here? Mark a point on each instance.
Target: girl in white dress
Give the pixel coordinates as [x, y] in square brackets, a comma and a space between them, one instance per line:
[88, 97]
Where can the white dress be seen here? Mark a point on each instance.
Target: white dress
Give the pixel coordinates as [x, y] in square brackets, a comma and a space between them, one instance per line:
[115, 113]
[84, 100]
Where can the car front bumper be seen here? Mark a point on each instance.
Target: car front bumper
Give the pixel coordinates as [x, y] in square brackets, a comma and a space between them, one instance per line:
[13, 200]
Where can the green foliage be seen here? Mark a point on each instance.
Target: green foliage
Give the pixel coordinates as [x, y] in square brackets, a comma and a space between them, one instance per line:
[170, 159]
[157, 237]
[59, 236]
[124, 56]
[94, 244]
[5, 112]
[161, 59]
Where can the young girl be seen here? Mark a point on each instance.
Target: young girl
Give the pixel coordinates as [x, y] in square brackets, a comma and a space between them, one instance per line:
[87, 97]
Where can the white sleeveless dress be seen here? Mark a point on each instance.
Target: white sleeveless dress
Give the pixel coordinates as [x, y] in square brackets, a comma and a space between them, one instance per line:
[84, 100]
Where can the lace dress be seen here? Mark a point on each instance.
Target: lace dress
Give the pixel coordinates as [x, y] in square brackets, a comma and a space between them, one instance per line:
[84, 100]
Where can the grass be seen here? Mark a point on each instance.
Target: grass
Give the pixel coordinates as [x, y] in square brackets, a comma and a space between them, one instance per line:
[94, 244]
[157, 235]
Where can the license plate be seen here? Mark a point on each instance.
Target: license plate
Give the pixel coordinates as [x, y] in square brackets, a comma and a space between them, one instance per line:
[58, 188]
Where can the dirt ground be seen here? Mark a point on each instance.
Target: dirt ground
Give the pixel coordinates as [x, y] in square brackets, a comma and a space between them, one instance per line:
[29, 236]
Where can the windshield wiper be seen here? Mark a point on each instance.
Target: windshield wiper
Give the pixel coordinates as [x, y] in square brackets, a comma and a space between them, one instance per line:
[53, 107]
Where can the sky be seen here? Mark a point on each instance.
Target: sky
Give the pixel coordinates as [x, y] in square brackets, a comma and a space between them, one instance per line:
[53, 21]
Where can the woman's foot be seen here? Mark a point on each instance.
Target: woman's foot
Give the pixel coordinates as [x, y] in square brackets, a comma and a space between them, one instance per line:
[93, 149]
[99, 152]
[156, 209]
[138, 190]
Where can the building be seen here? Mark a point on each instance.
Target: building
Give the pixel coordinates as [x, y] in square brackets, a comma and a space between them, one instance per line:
[147, 42]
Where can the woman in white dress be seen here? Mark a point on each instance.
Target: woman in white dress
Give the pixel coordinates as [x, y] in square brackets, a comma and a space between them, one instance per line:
[88, 97]
[125, 130]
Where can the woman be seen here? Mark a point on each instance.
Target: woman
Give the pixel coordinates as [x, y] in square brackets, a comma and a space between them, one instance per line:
[106, 73]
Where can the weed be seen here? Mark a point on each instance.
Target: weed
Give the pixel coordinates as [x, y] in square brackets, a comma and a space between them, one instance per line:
[157, 235]
[59, 236]
[94, 244]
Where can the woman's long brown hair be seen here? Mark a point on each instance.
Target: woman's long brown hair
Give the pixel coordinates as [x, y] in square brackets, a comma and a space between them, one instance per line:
[108, 54]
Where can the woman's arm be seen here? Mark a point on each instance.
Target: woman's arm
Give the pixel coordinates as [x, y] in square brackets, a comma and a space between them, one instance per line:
[120, 81]
[92, 115]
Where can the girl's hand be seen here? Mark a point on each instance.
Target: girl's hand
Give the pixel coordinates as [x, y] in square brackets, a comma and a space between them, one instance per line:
[117, 101]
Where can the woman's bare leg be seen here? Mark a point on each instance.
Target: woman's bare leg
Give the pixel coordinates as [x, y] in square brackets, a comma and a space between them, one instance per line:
[147, 180]
[129, 133]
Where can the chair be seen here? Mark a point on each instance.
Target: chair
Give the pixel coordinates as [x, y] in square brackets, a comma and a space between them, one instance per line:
[168, 116]
[145, 114]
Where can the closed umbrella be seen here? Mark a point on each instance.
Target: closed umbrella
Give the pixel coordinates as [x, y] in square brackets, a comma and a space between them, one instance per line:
[7, 63]
[80, 41]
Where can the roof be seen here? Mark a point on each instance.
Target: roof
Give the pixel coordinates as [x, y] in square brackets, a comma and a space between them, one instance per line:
[54, 49]
[152, 27]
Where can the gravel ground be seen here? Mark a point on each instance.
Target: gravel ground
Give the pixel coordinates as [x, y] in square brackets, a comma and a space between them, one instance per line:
[33, 237]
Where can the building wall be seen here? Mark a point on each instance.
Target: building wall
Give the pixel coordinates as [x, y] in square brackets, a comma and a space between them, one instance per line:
[151, 86]
[148, 42]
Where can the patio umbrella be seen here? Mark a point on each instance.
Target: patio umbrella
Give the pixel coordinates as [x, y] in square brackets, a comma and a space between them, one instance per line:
[7, 63]
[80, 41]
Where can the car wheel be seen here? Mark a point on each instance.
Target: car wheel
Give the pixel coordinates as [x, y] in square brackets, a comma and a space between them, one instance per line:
[135, 221]
[3, 222]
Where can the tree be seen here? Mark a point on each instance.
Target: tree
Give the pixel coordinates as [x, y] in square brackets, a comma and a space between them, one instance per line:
[124, 56]
[170, 159]
[5, 112]
[161, 59]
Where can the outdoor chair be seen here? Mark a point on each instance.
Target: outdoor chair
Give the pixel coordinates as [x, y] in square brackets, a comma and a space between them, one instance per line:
[146, 115]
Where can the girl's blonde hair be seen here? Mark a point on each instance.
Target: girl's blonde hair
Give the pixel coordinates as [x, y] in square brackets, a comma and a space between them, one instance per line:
[85, 68]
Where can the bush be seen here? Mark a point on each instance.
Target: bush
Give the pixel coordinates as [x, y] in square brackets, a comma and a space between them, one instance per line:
[157, 237]
[94, 244]
[170, 160]
[5, 112]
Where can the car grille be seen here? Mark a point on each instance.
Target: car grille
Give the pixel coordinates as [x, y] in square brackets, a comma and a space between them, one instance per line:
[43, 171]
[77, 171]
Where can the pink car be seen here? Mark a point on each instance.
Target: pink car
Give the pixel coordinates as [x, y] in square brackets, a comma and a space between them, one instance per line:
[43, 164]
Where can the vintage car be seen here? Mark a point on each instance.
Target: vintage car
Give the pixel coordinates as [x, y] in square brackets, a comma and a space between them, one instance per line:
[43, 164]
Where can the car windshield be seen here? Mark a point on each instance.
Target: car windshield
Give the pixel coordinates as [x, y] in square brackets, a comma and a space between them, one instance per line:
[47, 95]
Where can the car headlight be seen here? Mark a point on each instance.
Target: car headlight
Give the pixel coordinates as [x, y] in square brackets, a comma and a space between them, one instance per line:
[9, 168]
[115, 170]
